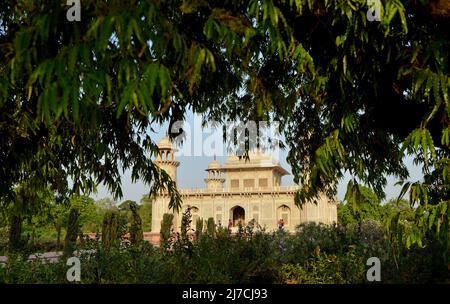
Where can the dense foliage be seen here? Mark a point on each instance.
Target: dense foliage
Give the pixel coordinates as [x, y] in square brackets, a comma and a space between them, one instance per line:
[78, 98]
[368, 207]
[315, 254]
[46, 229]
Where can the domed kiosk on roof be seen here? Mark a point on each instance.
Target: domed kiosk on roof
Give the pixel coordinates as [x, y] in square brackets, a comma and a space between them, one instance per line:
[213, 165]
[215, 180]
[165, 144]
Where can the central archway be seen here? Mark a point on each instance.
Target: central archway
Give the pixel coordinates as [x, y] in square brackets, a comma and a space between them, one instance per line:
[238, 215]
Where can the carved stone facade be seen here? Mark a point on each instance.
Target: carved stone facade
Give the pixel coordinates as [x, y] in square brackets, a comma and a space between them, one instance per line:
[242, 191]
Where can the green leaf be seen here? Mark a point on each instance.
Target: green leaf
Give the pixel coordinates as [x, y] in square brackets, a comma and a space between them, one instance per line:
[405, 189]
[432, 218]
[75, 108]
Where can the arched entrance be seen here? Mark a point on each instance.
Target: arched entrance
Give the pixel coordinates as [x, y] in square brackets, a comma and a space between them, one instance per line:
[238, 215]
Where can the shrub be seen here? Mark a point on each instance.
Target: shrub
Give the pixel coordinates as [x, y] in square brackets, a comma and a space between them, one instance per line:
[186, 224]
[4, 233]
[211, 227]
[166, 230]
[111, 231]
[136, 232]
[198, 228]
[322, 268]
[315, 254]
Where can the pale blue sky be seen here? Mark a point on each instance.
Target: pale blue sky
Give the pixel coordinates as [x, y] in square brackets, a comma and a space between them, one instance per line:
[191, 172]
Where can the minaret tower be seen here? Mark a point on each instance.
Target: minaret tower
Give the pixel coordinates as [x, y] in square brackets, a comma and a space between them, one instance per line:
[215, 180]
[166, 159]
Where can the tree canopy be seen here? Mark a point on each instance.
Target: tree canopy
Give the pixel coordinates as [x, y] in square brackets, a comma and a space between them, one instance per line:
[368, 208]
[77, 99]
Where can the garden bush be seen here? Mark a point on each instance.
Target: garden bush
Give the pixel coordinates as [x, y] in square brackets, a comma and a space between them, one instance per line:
[314, 254]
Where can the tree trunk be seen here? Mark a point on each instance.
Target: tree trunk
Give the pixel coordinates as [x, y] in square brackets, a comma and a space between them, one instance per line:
[15, 232]
[33, 235]
[58, 237]
[72, 232]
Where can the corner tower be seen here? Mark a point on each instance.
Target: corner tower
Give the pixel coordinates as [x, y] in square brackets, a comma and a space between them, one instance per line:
[166, 158]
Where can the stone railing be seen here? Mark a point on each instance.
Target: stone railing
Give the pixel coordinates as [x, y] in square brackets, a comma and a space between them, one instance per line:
[239, 190]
